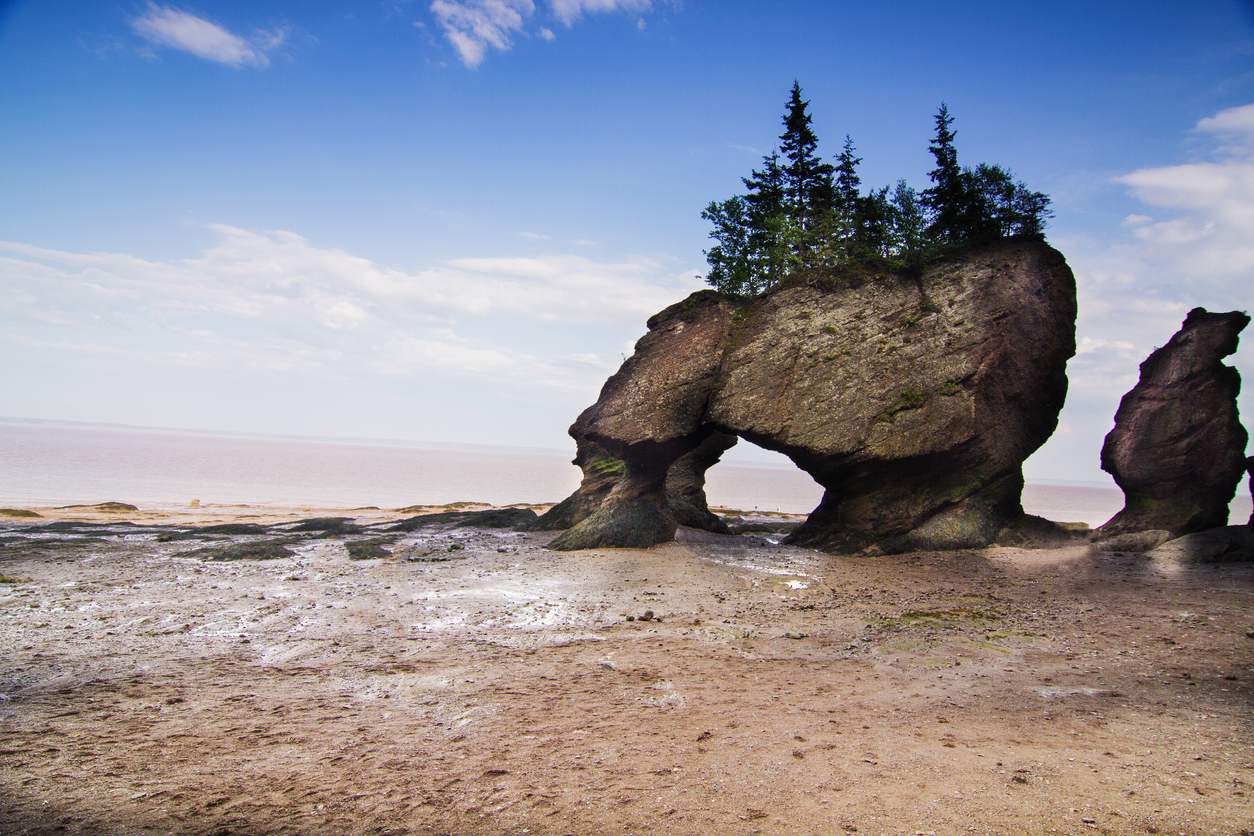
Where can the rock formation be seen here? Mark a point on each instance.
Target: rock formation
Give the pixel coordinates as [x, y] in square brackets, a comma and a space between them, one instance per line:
[1178, 447]
[1225, 544]
[685, 486]
[601, 472]
[913, 399]
[1249, 468]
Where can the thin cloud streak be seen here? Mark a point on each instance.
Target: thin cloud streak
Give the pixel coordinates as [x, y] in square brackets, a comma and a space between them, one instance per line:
[569, 11]
[177, 29]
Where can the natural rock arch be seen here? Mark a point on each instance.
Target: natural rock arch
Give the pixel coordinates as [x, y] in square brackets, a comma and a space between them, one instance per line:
[912, 399]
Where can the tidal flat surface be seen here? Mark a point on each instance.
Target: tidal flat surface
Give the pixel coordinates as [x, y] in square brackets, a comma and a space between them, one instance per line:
[469, 681]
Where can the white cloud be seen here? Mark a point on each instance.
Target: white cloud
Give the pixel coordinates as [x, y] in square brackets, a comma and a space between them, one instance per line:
[568, 11]
[472, 26]
[1210, 238]
[167, 26]
[1235, 123]
[475, 26]
[274, 300]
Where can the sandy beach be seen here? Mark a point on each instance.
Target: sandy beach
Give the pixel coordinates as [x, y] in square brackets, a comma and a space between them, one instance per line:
[468, 681]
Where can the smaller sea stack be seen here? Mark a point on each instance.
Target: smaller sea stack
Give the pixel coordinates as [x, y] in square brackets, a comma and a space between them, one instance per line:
[1178, 447]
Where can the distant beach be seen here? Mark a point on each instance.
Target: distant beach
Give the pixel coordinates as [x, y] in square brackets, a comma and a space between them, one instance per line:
[48, 463]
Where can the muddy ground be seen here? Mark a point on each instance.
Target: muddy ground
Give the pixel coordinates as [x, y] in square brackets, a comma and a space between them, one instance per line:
[471, 682]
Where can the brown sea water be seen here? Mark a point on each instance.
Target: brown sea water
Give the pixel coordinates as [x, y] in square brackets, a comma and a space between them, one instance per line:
[44, 464]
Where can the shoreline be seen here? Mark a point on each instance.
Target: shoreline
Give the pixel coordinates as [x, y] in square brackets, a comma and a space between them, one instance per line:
[208, 512]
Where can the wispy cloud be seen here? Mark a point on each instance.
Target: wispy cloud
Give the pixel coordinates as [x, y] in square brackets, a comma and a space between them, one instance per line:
[1208, 236]
[475, 26]
[472, 26]
[276, 300]
[569, 11]
[177, 29]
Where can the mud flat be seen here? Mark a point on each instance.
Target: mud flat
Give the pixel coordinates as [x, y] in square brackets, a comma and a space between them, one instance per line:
[468, 681]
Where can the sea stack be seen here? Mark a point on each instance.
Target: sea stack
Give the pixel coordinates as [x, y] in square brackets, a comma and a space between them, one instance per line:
[912, 398]
[1178, 448]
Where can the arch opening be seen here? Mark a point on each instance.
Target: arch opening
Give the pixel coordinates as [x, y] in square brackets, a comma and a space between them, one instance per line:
[750, 479]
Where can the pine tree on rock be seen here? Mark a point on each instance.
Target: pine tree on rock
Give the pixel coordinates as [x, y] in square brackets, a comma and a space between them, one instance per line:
[808, 189]
[948, 198]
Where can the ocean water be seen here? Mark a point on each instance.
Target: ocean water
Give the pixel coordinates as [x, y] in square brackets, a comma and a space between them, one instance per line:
[42, 464]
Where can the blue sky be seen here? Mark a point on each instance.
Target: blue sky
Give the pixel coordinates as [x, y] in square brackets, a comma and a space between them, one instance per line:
[450, 220]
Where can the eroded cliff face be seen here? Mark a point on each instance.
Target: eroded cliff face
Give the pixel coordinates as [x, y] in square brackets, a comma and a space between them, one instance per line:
[1178, 447]
[912, 399]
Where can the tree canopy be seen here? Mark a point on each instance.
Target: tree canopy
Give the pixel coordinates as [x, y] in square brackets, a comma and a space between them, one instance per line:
[800, 212]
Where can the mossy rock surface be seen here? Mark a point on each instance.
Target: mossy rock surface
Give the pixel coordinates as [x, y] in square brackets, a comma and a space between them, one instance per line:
[107, 507]
[632, 524]
[494, 518]
[368, 549]
[327, 525]
[232, 528]
[265, 550]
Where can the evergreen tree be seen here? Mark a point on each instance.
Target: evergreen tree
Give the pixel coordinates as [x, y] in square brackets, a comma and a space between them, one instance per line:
[807, 180]
[873, 231]
[757, 240]
[1006, 207]
[801, 212]
[908, 221]
[848, 184]
[948, 198]
[733, 259]
[767, 203]
[1032, 210]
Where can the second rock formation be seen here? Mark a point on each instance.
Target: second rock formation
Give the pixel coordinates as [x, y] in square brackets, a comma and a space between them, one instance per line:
[1178, 447]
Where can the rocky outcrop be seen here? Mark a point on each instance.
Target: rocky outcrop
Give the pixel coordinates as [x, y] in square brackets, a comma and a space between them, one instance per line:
[685, 484]
[913, 399]
[1249, 468]
[685, 487]
[1178, 447]
[1226, 544]
[601, 472]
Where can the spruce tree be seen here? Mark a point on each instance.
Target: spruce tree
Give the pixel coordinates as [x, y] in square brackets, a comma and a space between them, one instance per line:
[808, 188]
[733, 259]
[908, 222]
[848, 184]
[947, 199]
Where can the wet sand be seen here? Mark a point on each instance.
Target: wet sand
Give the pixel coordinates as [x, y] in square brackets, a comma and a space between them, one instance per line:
[472, 682]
